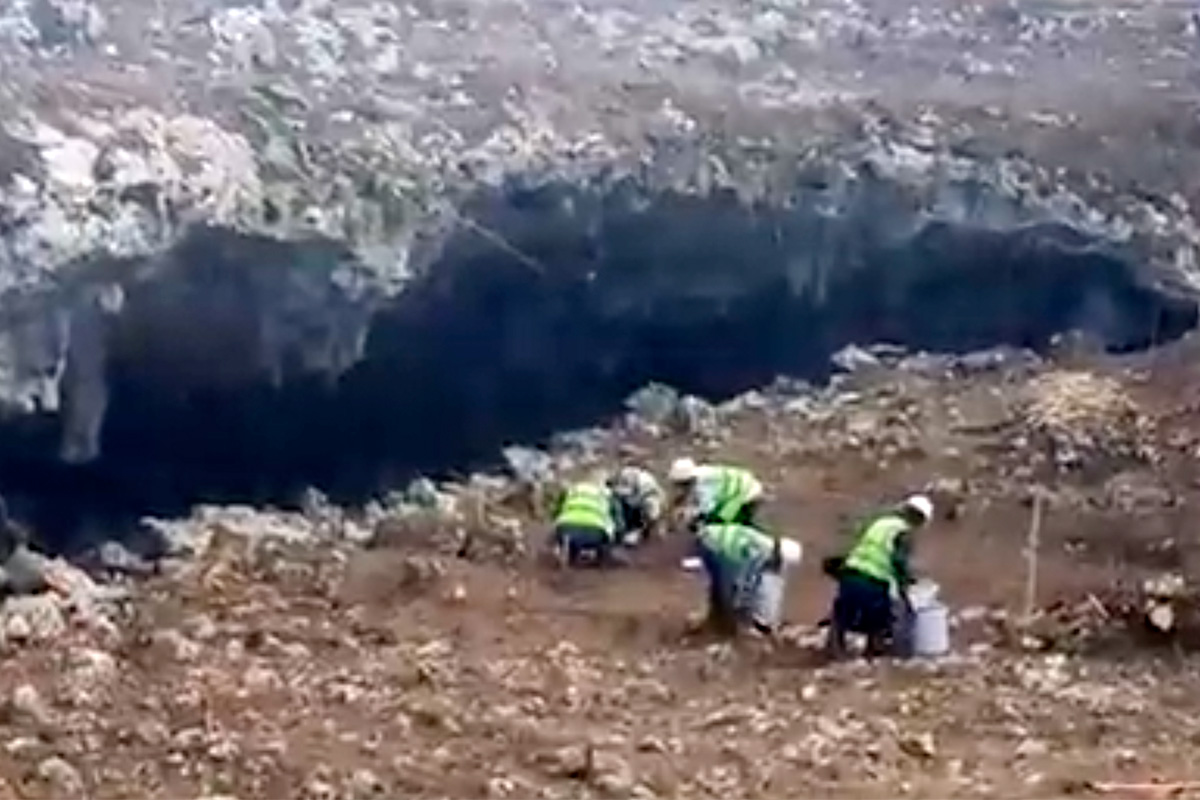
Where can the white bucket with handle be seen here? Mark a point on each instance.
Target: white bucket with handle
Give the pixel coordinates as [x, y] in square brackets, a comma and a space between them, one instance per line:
[772, 586]
[768, 601]
[931, 621]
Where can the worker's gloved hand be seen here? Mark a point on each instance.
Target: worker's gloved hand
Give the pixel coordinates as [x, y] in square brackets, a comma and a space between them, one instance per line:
[832, 566]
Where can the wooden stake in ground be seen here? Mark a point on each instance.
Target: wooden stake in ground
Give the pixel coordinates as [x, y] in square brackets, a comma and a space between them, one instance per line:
[1032, 545]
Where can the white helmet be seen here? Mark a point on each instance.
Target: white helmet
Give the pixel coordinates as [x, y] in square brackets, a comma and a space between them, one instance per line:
[920, 504]
[683, 470]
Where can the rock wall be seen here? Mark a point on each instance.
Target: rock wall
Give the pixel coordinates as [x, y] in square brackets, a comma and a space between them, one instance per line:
[248, 248]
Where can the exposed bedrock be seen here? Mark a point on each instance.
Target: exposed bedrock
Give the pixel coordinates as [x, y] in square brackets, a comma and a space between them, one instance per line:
[239, 368]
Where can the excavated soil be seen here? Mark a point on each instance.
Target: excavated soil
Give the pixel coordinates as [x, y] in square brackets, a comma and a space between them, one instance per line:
[328, 671]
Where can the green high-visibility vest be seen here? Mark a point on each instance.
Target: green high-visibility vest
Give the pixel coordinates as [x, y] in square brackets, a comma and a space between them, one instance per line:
[734, 491]
[872, 554]
[736, 543]
[587, 505]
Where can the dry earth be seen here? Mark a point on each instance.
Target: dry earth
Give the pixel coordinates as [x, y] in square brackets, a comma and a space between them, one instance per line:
[322, 669]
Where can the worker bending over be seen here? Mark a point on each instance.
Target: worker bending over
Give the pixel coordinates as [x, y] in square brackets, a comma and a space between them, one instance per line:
[713, 493]
[734, 557]
[876, 568]
[642, 502]
[588, 523]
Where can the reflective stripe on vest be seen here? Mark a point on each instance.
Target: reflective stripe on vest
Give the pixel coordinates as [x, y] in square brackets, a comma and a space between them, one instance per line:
[734, 491]
[872, 555]
[587, 505]
[737, 543]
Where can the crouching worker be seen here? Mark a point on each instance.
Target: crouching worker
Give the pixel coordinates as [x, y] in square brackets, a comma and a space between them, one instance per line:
[642, 502]
[717, 494]
[876, 568]
[587, 524]
[735, 557]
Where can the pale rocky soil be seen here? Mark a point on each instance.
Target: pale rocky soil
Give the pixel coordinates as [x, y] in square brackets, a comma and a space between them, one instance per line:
[263, 668]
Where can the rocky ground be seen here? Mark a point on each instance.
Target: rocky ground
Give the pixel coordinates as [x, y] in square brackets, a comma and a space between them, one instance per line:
[417, 648]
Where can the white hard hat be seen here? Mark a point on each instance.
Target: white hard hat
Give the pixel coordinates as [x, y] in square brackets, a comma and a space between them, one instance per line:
[921, 504]
[682, 471]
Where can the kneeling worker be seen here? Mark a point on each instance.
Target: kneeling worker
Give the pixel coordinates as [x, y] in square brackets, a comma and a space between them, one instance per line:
[588, 523]
[642, 501]
[716, 494]
[876, 566]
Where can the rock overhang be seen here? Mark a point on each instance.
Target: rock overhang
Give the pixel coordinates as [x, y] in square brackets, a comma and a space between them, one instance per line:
[861, 201]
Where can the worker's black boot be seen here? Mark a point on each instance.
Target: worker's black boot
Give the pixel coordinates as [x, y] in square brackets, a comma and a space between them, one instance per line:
[722, 618]
[835, 641]
[879, 645]
[611, 558]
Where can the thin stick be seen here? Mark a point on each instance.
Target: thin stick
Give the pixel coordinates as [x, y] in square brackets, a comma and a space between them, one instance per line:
[1032, 545]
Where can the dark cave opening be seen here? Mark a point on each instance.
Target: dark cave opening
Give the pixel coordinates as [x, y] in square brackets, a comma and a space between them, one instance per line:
[495, 345]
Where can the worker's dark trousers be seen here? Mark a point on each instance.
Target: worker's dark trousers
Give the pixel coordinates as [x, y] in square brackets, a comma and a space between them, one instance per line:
[579, 540]
[722, 590]
[731, 589]
[636, 519]
[747, 515]
[863, 605]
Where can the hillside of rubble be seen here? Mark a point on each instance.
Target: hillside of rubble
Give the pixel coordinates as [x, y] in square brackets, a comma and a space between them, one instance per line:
[417, 646]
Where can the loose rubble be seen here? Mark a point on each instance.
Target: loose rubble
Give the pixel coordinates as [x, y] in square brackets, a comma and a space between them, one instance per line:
[278, 653]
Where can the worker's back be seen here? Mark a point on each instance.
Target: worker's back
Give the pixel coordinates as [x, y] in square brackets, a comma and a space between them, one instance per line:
[586, 505]
[736, 542]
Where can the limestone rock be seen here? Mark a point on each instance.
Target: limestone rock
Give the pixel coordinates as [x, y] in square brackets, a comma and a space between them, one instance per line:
[33, 619]
[27, 705]
[62, 778]
[654, 404]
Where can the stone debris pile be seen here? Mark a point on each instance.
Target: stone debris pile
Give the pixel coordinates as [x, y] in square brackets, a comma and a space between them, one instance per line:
[1086, 415]
[45, 598]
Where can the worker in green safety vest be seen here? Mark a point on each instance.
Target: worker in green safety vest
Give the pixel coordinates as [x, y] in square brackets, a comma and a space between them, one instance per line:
[715, 493]
[734, 557]
[874, 570]
[588, 523]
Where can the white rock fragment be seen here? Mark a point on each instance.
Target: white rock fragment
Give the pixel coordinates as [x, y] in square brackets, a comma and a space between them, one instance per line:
[26, 704]
[64, 780]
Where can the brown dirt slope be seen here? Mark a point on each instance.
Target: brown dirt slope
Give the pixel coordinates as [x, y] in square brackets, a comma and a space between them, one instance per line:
[321, 670]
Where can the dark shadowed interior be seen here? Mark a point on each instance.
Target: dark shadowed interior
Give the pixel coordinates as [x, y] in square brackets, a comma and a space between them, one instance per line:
[546, 323]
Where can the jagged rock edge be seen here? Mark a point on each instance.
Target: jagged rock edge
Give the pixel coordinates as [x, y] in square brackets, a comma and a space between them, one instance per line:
[1007, 195]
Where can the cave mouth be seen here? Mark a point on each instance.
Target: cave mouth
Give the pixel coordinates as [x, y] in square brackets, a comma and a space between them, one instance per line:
[544, 316]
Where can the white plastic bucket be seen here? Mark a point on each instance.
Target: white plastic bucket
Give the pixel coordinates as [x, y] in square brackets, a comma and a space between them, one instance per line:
[768, 600]
[923, 593]
[792, 552]
[931, 629]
